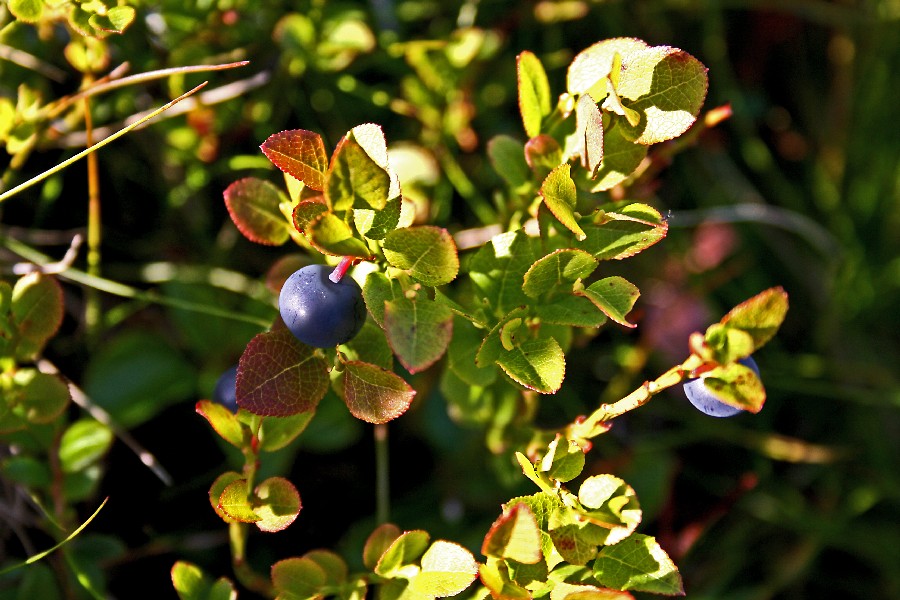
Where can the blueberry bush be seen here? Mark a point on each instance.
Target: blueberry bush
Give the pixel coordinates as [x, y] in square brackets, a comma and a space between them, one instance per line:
[371, 294]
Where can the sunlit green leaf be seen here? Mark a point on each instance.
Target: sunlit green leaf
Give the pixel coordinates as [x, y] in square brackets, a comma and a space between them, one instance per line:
[447, 570]
[559, 194]
[223, 421]
[83, 443]
[557, 271]
[615, 296]
[331, 235]
[667, 86]
[28, 11]
[298, 579]
[428, 253]
[760, 316]
[235, 502]
[564, 460]
[404, 550]
[638, 563]
[588, 71]
[277, 432]
[534, 92]
[538, 364]
[378, 542]
[621, 157]
[498, 269]
[736, 385]
[514, 535]
[218, 488]
[355, 180]
[622, 233]
[276, 503]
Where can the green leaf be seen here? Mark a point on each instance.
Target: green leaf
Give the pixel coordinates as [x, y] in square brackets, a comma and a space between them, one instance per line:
[667, 86]
[331, 235]
[447, 570]
[277, 432]
[279, 376]
[404, 550]
[39, 397]
[760, 316]
[116, 20]
[27, 471]
[638, 563]
[235, 502]
[300, 154]
[615, 296]
[495, 577]
[354, 179]
[418, 331]
[728, 344]
[590, 68]
[83, 443]
[621, 157]
[28, 11]
[334, 566]
[464, 345]
[223, 421]
[507, 156]
[538, 364]
[374, 394]
[736, 385]
[427, 253]
[37, 311]
[377, 290]
[378, 542]
[622, 233]
[557, 271]
[534, 92]
[369, 345]
[191, 583]
[376, 224]
[498, 269]
[253, 206]
[514, 535]
[218, 488]
[492, 344]
[564, 460]
[298, 579]
[277, 503]
[572, 311]
[559, 194]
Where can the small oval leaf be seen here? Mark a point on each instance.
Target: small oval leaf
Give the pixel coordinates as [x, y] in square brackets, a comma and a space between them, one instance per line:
[299, 153]
[254, 207]
[374, 394]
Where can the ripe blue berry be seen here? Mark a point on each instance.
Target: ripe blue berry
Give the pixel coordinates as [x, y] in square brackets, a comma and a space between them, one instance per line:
[225, 392]
[318, 311]
[704, 400]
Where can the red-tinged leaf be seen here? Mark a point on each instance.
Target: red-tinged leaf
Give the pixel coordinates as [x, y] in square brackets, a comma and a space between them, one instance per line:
[514, 535]
[306, 211]
[559, 194]
[760, 316]
[37, 311]
[624, 232]
[277, 503]
[418, 331]
[373, 394]
[254, 207]
[223, 421]
[543, 154]
[378, 542]
[279, 376]
[596, 593]
[217, 488]
[736, 385]
[235, 502]
[298, 578]
[615, 296]
[300, 154]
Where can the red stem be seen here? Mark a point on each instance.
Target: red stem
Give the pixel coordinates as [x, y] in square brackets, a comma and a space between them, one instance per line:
[341, 269]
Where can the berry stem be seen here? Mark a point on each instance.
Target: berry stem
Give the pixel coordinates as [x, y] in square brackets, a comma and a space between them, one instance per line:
[341, 269]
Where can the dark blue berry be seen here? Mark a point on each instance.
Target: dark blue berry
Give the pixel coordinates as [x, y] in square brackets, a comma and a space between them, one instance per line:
[225, 392]
[704, 400]
[318, 311]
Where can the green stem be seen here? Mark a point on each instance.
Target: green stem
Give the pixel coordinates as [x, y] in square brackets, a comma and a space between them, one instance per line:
[382, 475]
[56, 169]
[124, 291]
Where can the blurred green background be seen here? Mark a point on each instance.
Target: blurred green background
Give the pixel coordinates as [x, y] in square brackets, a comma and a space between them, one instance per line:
[799, 188]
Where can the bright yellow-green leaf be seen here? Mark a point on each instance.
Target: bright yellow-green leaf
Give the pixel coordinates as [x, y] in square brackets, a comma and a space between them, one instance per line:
[355, 180]
[534, 92]
[638, 563]
[559, 194]
[447, 570]
[588, 71]
[514, 535]
[29, 11]
[83, 443]
[331, 235]
[557, 271]
[621, 157]
[277, 503]
[736, 385]
[615, 296]
[428, 253]
[538, 364]
[760, 316]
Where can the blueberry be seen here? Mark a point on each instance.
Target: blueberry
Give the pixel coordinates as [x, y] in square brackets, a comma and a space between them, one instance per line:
[704, 400]
[318, 311]
[225, 392]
